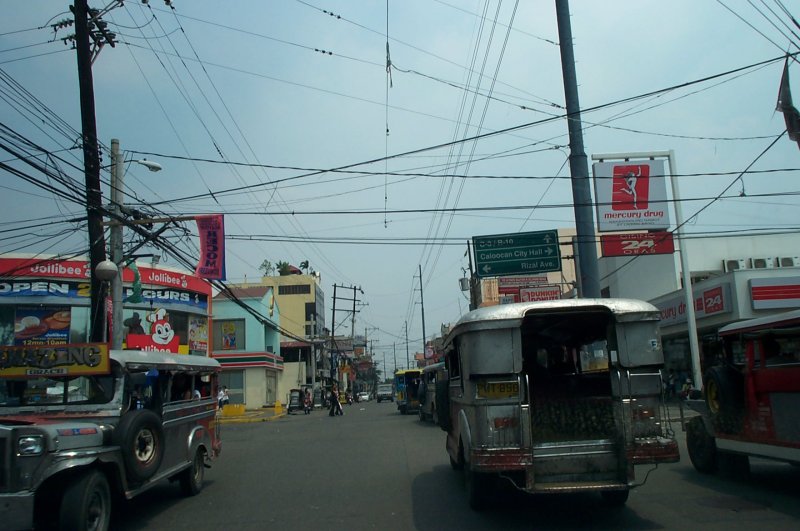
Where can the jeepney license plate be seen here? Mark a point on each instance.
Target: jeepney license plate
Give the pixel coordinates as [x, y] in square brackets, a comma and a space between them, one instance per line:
[497, 390]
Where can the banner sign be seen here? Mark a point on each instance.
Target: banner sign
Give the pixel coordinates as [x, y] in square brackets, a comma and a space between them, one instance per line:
[38, 325]
[511, 285]
[711, 301]
[631, 195]
[162, 337]
[16, 269]
[63, 360]
[66, 289]
[212, 247]
[543, 293]
[637, 244]
[774, 293]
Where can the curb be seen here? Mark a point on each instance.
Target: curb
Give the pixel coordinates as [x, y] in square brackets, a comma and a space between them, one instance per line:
[254, 416]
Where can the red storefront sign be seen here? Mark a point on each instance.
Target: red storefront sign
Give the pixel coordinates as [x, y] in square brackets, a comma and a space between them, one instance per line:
[637, 244]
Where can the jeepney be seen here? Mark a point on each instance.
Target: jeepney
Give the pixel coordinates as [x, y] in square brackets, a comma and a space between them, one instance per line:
[555, 396]
[406, 388]
[427, 391]
[751, 397]
[79, 424]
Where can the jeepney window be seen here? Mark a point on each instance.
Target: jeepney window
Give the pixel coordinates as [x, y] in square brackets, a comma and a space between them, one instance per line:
[42, 391]
[453, 362]
[639, 344]
[489, 351]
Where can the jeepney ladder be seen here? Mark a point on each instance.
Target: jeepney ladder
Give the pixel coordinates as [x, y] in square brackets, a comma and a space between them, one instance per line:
[662, 406]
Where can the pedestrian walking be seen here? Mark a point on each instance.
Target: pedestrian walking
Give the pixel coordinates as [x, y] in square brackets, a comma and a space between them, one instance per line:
[336, 406]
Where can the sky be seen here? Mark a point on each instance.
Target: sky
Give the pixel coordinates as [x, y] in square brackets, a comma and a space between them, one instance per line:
[283, 116]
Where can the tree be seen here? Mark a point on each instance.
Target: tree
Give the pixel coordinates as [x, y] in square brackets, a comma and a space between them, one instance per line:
[283, 268]
[267, 267]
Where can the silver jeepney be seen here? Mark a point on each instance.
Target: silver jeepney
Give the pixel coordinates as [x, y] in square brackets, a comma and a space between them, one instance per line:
[556, 396]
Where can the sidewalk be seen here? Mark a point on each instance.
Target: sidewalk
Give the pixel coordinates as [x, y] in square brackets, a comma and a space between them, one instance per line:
[265, 414]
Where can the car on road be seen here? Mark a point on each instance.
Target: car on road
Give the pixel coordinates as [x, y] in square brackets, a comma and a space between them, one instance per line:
[363, 396]
[385, 392]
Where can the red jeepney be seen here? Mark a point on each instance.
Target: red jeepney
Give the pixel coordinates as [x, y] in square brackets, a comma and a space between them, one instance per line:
[751, 399]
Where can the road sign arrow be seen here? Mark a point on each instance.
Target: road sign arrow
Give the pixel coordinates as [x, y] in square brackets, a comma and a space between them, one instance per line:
[487, 268]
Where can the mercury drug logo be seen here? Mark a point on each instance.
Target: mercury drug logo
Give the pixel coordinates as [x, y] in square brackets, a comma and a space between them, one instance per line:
[630, 187]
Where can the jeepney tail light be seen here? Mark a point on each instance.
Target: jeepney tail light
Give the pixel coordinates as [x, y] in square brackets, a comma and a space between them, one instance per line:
[646, 418]
[502, 426]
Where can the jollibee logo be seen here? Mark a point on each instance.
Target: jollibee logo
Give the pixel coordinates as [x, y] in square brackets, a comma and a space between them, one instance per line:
[630, 187]
[162, 330]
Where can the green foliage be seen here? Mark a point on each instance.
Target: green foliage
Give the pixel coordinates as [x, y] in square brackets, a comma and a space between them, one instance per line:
[283, 268]
[267, 267]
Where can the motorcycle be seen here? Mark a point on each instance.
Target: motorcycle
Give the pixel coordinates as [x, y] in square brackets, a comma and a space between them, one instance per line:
[349, 398]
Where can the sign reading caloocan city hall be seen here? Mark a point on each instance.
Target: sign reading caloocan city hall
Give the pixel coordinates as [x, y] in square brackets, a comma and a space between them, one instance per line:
[517, 254]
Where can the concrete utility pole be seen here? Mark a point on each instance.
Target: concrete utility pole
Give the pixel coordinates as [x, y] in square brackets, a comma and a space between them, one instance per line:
[422, 304]
[578, 165]
[117, 183]
[91, 168]
[408, 363]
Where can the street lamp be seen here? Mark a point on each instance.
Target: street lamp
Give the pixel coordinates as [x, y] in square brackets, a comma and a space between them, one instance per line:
[117, 200]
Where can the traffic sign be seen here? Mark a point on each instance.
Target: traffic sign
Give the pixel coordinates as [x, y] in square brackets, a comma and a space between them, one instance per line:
[517, 254]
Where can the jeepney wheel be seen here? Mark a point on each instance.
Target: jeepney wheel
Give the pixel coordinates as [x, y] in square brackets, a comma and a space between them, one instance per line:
[701, 446]
[141, 440]
[724, 390]
[615, 498]
[192, 478]
[86, 503]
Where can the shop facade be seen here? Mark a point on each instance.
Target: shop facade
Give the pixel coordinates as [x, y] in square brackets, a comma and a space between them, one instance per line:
[45, 301]
[719, 301]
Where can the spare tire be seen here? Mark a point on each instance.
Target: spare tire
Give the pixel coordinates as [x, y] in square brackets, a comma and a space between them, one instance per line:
[724, 393]
[141, 440]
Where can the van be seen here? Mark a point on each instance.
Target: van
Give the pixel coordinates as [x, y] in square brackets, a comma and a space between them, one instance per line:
[385, 392]
[79, 424]
[555, 396]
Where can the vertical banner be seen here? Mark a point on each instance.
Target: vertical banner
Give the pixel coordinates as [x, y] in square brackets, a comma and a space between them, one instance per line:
[212, 247]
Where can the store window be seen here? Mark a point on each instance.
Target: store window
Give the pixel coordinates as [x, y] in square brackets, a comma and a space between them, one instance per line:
[229, 334]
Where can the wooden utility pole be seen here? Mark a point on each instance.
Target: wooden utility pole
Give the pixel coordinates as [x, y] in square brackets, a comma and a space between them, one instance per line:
[91, 165]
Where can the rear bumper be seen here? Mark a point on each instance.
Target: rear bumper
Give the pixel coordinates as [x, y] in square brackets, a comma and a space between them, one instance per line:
[16, 510]
[654, 451]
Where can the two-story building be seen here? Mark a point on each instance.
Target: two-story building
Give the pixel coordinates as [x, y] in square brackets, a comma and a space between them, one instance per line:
[247, 344]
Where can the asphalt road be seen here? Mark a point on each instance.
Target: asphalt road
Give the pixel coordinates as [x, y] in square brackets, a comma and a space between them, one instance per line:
[376, 469]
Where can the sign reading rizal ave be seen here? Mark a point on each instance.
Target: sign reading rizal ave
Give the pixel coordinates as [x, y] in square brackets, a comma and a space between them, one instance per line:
[517, 254]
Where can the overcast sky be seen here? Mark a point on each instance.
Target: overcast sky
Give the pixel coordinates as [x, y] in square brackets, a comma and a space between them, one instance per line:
[245, 103]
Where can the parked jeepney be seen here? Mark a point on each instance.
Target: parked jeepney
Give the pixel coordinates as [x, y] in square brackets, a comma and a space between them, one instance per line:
[427, 391]
[556, 396]
[81, 425]
[406, 388]
[751, 397]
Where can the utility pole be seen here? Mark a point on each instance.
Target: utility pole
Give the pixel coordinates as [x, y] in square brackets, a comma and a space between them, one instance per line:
[578, 165]
[408, 363]
[117, 183]
[91, 168]
[394, 353]
[422, 304]
[474, 281]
